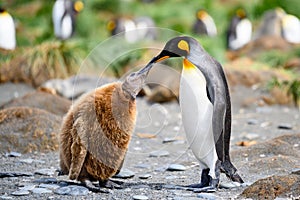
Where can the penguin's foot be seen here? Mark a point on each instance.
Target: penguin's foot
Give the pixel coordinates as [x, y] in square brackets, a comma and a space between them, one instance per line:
[111, 184]
[236, 178]
[60, 172]
[213, 187]
[205, 180]
[90, 186]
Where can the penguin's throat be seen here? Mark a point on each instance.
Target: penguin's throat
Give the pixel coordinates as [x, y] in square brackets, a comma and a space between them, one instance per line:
[188, 66]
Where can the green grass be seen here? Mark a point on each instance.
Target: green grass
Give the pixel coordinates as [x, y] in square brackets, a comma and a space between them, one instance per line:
[34, 22]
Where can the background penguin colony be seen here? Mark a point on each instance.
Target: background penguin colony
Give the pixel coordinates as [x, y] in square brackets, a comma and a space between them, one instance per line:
[239, 32]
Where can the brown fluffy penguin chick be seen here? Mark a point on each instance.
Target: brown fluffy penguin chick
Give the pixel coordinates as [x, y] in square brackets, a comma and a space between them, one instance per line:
[97, 129]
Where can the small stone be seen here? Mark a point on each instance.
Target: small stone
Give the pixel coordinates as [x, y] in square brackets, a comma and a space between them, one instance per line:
[27, 161]
[45, 172]
[265, 124]
[169, 140]
[14, 174]
[46, 180]
[161, 169]
[159, 153]
[5, 197]
[124, 174]
[252, 136]
[296, 171]
[41, 191]
[49, 186]
[252, 121]
[27, 187]
[171, 177]
[140, 197]
[229, 185]
[262, 155]
[285, 126]
[20, 193]
[207, 196]
[73, 190]
[145, 176]
[13, 154]
[176, 128]
[142, 165]
[176, 167]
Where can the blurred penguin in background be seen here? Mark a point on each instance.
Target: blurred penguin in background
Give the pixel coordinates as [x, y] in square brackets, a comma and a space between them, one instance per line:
[63, 15]
[291, 28]
[139, 28]
[271, 24]
[239, 31]
[7, 31]
[204, 24]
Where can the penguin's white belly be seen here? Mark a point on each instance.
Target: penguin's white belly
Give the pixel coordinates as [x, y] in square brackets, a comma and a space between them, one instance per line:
[7, 32]
[243, 34]
[197, 112]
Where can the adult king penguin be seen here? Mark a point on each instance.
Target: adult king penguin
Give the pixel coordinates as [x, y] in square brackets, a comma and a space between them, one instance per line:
[240, 30]
[205, 24]
[206, 110]
[7, 31]
[63, 16]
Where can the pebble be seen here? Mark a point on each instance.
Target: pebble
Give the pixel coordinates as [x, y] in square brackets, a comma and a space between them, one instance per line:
[140, 197]
[285, 126]
[20, 193]
[252, 136]
[143, 166]
[145, 176]
[45, 172]
[72, 190]
[27, 187]
[49, 186]
[160, 169]
[13, 154]
[252, 121]
[46, 180]
[169, 140]
[41, 191]
[176, 167]
[229, 185]
[4, 197]
[296, 171]
[207, 196]
[159, 153]
[14, 174]
[124, 174]
[27, 161]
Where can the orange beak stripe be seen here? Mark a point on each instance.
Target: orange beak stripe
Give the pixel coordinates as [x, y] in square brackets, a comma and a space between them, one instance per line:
[162, 58]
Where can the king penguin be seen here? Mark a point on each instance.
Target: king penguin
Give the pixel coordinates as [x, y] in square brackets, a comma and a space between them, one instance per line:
[204, 25]
[206, 110]
[7, 31]
[96, 131]
[63, 17]
[290, 28]
[240, 30]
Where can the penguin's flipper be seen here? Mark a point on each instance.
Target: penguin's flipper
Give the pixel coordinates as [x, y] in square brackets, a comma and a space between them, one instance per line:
[79, 152]
[219, 108]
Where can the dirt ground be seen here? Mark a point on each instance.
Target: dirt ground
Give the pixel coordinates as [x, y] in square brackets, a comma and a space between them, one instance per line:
[156, 123]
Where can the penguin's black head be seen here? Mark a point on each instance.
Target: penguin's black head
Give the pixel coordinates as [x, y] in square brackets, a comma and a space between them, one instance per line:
[182, 46]
[2, 10]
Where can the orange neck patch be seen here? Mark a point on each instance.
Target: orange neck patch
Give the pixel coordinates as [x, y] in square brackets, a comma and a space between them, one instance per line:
[188, 65]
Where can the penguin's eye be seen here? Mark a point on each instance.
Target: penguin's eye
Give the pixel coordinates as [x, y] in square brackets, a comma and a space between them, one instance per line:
[183, 45]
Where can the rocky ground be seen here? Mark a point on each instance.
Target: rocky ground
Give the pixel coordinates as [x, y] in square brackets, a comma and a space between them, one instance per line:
[265, 147]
